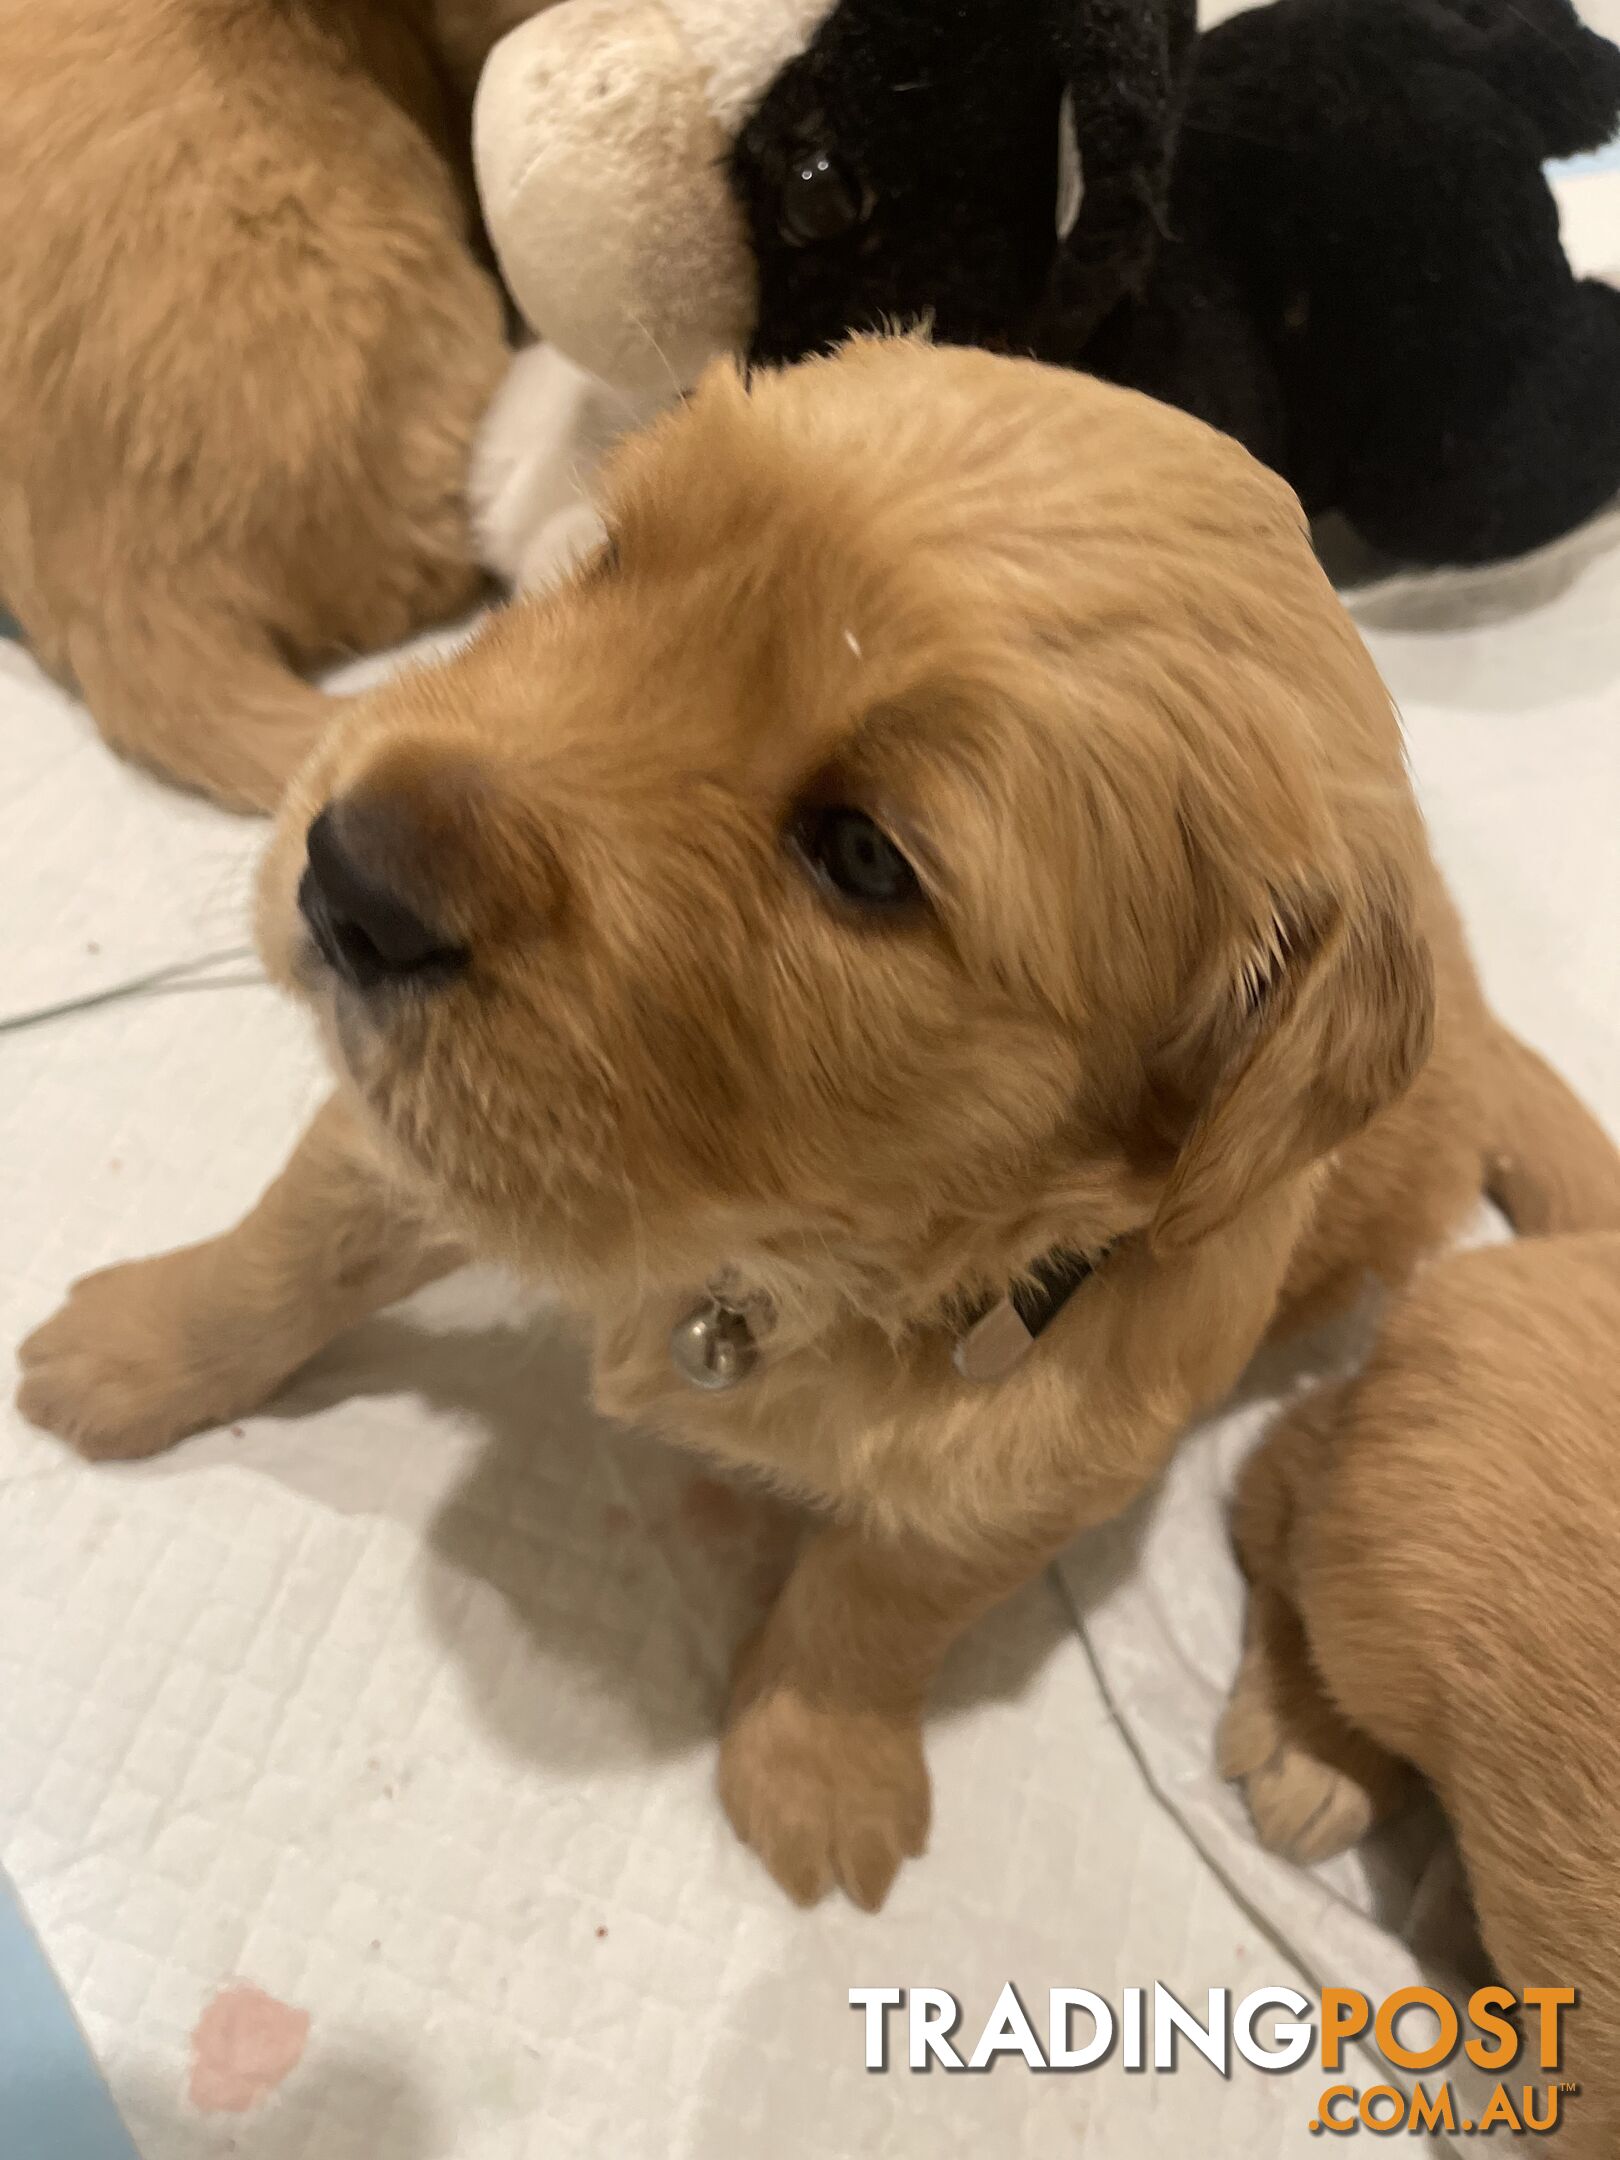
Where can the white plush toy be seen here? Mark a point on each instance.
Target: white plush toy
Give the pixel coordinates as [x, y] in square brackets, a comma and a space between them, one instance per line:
[601, 136]
[542, 441]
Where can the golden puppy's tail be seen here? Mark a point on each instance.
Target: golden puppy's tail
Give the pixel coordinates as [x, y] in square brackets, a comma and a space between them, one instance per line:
[1550, 1166]
[202, 697]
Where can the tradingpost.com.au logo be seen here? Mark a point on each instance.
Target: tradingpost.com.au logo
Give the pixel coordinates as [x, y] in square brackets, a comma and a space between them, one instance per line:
[1517, 2040]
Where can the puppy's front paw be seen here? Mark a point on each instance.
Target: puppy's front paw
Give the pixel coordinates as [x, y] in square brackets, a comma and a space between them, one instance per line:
[1305, 1804]
[827, 1796]
[130, 1363]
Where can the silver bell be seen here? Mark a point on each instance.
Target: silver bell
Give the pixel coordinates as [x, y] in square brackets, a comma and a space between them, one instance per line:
[714, 1346]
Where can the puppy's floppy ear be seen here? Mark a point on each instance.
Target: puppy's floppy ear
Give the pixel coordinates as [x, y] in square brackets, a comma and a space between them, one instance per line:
[1323, 1023]
[1124, 64]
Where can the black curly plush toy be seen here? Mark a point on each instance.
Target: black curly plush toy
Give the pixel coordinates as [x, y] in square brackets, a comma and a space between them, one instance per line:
[1363, 277]
[1349, 256]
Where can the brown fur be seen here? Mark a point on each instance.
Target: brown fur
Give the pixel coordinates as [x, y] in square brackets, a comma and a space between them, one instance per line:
[1186, 980]
[244, 348]
[1437, 1547]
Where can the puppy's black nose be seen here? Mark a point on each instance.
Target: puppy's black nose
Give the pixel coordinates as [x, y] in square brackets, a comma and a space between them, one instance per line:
[363, 927]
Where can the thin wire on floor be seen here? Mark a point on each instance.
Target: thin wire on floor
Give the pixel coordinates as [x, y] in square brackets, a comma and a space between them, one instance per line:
[177, 975]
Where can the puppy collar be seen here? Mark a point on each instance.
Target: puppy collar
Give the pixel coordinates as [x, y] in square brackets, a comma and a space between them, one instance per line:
[717, 1345]
[1003, 1336]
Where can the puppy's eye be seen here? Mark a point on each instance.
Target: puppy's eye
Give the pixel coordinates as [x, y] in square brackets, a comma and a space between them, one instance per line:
[853, 857]
[820, 200]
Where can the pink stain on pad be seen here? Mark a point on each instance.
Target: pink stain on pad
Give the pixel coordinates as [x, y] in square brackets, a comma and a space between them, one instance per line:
[244, 2045]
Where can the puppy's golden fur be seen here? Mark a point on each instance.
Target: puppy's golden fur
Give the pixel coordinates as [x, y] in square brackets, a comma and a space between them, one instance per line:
[244, 348]
[1184, 982]
[1435, 1555]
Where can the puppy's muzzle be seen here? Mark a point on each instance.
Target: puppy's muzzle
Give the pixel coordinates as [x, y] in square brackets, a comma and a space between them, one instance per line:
[364, 927]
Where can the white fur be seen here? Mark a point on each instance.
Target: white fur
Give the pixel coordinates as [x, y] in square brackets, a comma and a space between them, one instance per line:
[743, 48]
[600, 136]
[545, 435]
[1071, 172]
[601, 170]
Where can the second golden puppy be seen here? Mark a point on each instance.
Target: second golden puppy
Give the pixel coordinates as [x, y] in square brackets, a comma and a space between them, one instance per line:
[927, 941]
[1435, 1558]
[245, 348]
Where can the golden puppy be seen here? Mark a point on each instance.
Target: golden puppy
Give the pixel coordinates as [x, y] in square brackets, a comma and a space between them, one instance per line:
[1435, 1557]
[950, 833]
[244, 350]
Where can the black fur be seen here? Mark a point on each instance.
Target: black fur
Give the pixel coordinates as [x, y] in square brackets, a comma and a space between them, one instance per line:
[1357, 271]
[942, 118]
